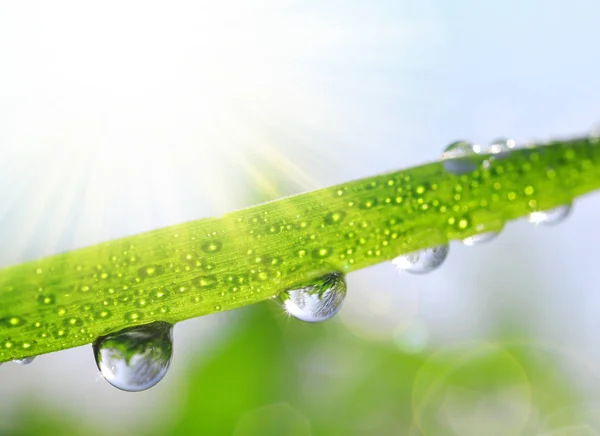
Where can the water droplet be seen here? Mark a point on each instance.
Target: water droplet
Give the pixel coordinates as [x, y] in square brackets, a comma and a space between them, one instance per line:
[208, 281]
[457, 158]
[160, 293]
[45, 299]
[321, 253]
[317, 301]
[136, 358]
[133, 316]
[25, 360]
[104, 314]
[58, 333]
[263, 275]
[368, 203]
[422, 261]
[481, 238]
[212, 246]
[334, 217]
[73, 322]
[501, 146]
[151, 271]
[13, 321]
[550, 216]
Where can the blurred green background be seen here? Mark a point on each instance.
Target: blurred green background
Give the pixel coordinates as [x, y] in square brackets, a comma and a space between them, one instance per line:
[124, 116]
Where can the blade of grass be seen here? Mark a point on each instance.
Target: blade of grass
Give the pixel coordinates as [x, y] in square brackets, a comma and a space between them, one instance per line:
[217, 264]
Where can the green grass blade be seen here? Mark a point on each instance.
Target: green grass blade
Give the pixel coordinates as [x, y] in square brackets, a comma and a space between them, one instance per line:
[212, 265]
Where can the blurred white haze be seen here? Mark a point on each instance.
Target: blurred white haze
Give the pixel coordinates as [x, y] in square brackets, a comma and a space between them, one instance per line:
[118, 117]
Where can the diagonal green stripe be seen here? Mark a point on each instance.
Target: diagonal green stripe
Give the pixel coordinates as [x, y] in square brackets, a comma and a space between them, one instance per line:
[212, 265]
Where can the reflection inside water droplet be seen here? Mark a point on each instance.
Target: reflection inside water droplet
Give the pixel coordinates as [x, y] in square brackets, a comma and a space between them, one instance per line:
[456, 158]
[550, 216]
[135, 358]
[481, 238]
[459, 149]
[317, 301]
[422, 261]
[25, 360]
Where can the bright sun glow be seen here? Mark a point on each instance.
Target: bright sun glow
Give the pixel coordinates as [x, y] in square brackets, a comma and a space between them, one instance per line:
[125, 113]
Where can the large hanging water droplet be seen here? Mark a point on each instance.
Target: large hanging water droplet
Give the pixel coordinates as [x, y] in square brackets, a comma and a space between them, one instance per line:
[317, 301]
[136, 358]
[457, 158]
[550, 216]
[25, 360]
[481, 238]
[422, 261]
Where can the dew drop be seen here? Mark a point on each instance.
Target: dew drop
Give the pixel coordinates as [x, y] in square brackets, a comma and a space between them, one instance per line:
[136, 358]
[58, 333]
[45, 299]
[133, 316]
[551, 216]
[368, 203]
[334, 217]
[160, 293]
[207, 281]
[501, 146]
[263, 275]
[25, 360]
[317, 301]
[212, 246]
[481, 238]
[422, 261]
[456, 158]
[15, 321]
[73, 322]
[151, 271]
[321, 253]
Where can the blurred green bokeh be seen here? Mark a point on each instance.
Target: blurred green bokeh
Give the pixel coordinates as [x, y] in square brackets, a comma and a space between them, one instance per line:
[278, 376]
